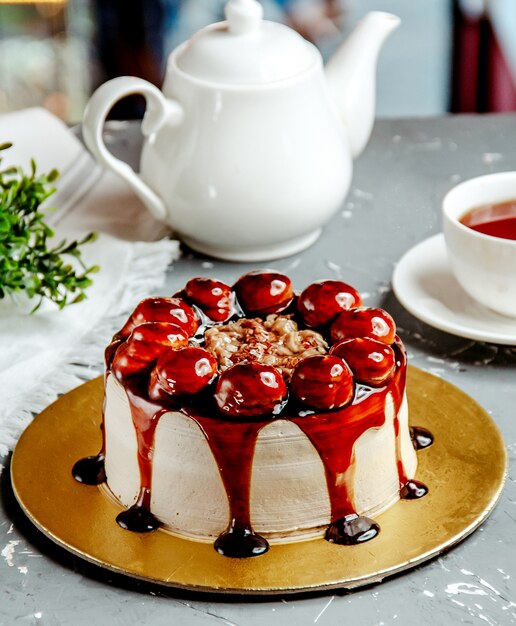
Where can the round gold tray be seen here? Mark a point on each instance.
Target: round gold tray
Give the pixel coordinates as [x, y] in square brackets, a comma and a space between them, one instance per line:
[464, 470]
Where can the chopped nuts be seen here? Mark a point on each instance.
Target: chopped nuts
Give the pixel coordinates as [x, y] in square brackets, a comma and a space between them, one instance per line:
[275, 341]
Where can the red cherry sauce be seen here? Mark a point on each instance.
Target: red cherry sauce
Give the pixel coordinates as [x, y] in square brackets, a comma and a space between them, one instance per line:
[496, 220]
[410, 489]
[145, 415]
[233, 449]
[91, 470]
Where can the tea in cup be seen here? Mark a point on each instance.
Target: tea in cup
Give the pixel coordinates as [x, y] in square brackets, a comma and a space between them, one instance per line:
[479, 225]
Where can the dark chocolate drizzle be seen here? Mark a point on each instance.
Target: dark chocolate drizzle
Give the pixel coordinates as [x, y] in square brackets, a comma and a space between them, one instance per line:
[138, 519]
[413, 490]
[240, 543]
[421, 437]
[332, 433]
[352, 529]
[90, 470]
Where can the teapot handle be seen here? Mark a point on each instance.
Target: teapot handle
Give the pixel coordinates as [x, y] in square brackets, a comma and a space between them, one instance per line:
[159, 109]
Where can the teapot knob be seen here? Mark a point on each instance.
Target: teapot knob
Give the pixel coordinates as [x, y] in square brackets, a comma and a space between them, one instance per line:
[243, 16]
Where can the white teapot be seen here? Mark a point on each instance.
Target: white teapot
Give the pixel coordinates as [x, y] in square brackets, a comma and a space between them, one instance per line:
[248, 150]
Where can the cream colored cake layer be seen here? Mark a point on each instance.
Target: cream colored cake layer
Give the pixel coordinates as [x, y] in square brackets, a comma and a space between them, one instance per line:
[289, 497]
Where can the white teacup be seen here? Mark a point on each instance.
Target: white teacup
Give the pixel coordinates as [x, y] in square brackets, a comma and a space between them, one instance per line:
[484, 265]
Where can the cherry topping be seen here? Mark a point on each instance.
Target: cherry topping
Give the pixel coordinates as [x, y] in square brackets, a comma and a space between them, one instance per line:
[182, 372]
[250, 389]
[263, 292]
[364, 322]
[172, 310]
[322, 301]
[372, 362]
[322, 382]
[146, 343]
[212, 296]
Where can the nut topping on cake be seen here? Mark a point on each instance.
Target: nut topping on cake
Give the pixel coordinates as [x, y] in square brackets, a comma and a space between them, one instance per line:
[275, 341]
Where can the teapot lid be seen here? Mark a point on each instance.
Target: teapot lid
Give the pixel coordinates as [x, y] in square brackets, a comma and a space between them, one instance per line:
[245, 49]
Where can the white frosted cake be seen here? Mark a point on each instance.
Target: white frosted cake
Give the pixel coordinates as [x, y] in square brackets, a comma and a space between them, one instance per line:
[248, 415]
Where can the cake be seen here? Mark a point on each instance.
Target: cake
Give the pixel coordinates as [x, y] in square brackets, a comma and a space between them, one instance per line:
[251, 415]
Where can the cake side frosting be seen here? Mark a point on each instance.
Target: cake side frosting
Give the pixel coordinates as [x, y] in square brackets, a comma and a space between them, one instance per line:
[288, 495]
[251, 415]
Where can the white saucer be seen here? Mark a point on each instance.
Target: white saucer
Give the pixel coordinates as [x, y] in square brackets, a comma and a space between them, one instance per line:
[425, 286]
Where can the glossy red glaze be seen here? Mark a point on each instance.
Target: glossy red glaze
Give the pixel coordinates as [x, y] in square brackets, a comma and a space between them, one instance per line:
[172, 310]
[213, 297]
[263, 292]
[334, 434]
[145, 415]
[183, 372]
[364, 322]
[250, 389]
[145, 345]
[232, 446]
[322, 382]
[372, 362]
[321, 302]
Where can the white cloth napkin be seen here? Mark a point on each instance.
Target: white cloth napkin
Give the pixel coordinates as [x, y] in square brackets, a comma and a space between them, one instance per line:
[50, 352]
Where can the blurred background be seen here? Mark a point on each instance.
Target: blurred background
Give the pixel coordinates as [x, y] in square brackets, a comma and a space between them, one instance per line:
[448, 55]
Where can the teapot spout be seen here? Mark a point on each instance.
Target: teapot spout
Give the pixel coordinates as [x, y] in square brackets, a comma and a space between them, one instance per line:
[351, 76]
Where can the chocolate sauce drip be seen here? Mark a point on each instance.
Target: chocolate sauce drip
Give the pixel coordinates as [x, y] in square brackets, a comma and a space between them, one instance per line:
[145, 415]
[352, 529]
[333, 435]
[240, 542]
[90, 470]
[421, 437]
[233, 450]
[109, 352]
[413, 490]
[138, 519]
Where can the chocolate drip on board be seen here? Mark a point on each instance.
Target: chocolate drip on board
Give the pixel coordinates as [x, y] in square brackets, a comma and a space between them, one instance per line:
[91, 470]
[233, 450]
[421, 437]
[145, 415]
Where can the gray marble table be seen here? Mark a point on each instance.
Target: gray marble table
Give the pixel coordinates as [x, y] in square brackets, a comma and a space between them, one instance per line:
[393, 204]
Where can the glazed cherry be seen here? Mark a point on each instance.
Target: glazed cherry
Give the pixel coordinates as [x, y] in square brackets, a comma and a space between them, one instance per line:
[364, 322]
[321, 302]
[250, 389]
[182, 372]
[372, 362]
[322, 382]
[263, 292]
[145, 345]
[172, 310]
[212, 296]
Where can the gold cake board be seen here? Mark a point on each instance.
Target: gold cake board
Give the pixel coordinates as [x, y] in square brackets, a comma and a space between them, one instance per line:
[464, 470]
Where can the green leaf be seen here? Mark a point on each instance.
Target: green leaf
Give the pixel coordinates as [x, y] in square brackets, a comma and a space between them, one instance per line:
[28, 261]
